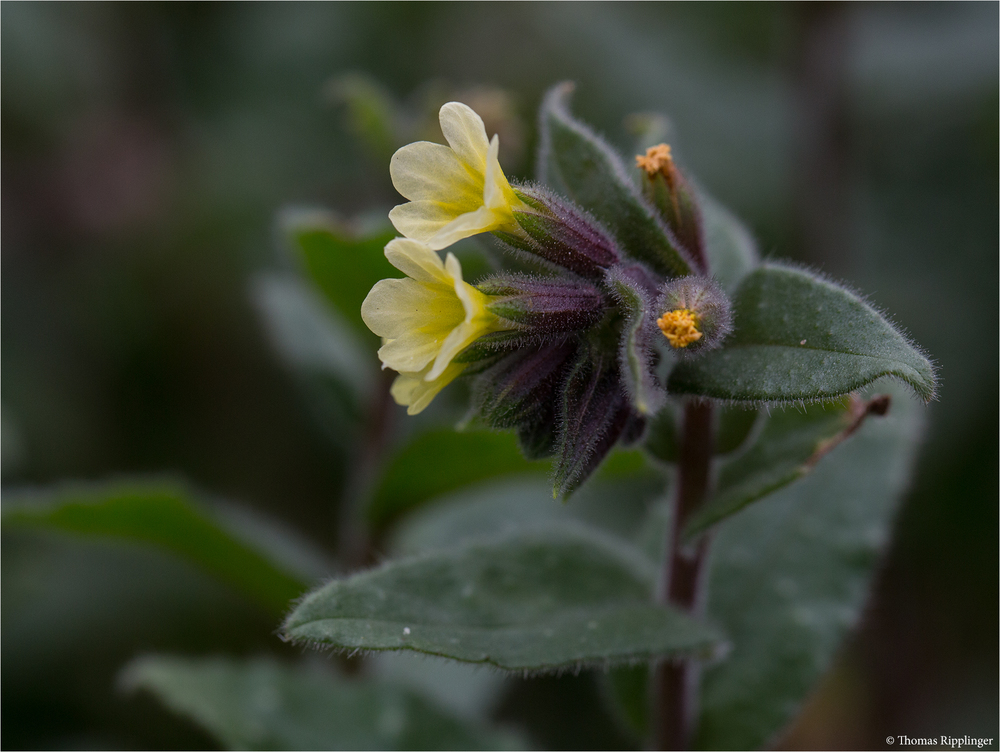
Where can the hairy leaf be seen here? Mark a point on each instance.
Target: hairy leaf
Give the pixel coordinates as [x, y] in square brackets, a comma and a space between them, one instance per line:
[786, 450]
[263, 704]
[790, 574]
[800, 337]
[577, 163]
[536, 601]
[258, 557]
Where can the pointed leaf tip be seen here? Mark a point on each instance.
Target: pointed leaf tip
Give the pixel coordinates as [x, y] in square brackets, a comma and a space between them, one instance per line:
[800, 337]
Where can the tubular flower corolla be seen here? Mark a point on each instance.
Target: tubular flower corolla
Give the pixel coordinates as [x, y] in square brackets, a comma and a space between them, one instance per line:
[425, 320]
[454, 191]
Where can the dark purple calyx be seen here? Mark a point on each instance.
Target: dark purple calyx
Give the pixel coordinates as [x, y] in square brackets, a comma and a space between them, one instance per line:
[561, 234]
[547, 305]
[521, 391]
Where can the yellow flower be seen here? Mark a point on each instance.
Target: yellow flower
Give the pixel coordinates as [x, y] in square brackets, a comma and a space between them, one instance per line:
[454, 192]
[414, 391]
[425, 320]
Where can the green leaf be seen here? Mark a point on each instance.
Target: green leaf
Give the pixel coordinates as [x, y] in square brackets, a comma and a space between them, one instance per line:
[578, 164]
[537, 601]
[790, 575]
[784, 453]
[262, 704]
[344, 263]
[731, 250]
[800, 337]
[259, 558]
[334, 369]
[440, 461]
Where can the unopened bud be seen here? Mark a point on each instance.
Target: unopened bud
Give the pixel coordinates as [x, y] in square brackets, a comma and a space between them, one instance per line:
[561, 234]
[521, 391]
[546, 305]
[666, 188]
[694, 314]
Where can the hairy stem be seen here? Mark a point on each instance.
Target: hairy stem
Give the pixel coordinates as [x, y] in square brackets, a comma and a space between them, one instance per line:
[681, 586]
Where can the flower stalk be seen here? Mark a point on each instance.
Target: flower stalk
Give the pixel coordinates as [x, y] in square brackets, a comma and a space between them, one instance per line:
[682, 585]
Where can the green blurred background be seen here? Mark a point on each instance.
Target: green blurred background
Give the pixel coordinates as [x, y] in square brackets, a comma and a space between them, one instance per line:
[148, 148]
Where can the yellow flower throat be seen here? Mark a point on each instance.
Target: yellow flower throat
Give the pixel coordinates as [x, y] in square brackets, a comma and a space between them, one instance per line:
[680, 327]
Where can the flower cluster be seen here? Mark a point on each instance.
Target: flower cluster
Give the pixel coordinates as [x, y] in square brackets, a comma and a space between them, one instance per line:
[567, 356]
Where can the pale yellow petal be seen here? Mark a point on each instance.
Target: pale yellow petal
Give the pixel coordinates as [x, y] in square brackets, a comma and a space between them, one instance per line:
[420, 220]
[477, 322]
[417, 261]
[406, 389]
[460, 338]
[466, 134]
[494, 193]
[411, 353]
[396, 307]
[473, 301]
[465, 226]
[414, 391]
[426, 171]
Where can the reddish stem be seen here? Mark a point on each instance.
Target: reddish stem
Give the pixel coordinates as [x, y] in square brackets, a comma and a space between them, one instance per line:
[677, 680]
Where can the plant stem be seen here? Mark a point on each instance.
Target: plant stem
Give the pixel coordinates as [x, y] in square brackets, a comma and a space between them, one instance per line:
[681, 586]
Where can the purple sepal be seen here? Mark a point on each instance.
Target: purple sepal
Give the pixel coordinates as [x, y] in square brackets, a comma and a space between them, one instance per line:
[563, 234]
[593, 413]
[547, 305]
[520, 389]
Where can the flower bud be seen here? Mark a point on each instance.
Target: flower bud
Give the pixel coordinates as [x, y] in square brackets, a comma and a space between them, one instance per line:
[694, 314]
[544, 304]
[561, 234]
[593, 413]
[521, 391]
[666, 188]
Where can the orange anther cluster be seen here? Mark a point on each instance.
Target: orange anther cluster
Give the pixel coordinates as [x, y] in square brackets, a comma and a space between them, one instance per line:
[680, 327]
[657, 159]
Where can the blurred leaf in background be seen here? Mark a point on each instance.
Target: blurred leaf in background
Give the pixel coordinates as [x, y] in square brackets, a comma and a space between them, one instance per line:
[260, 704]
